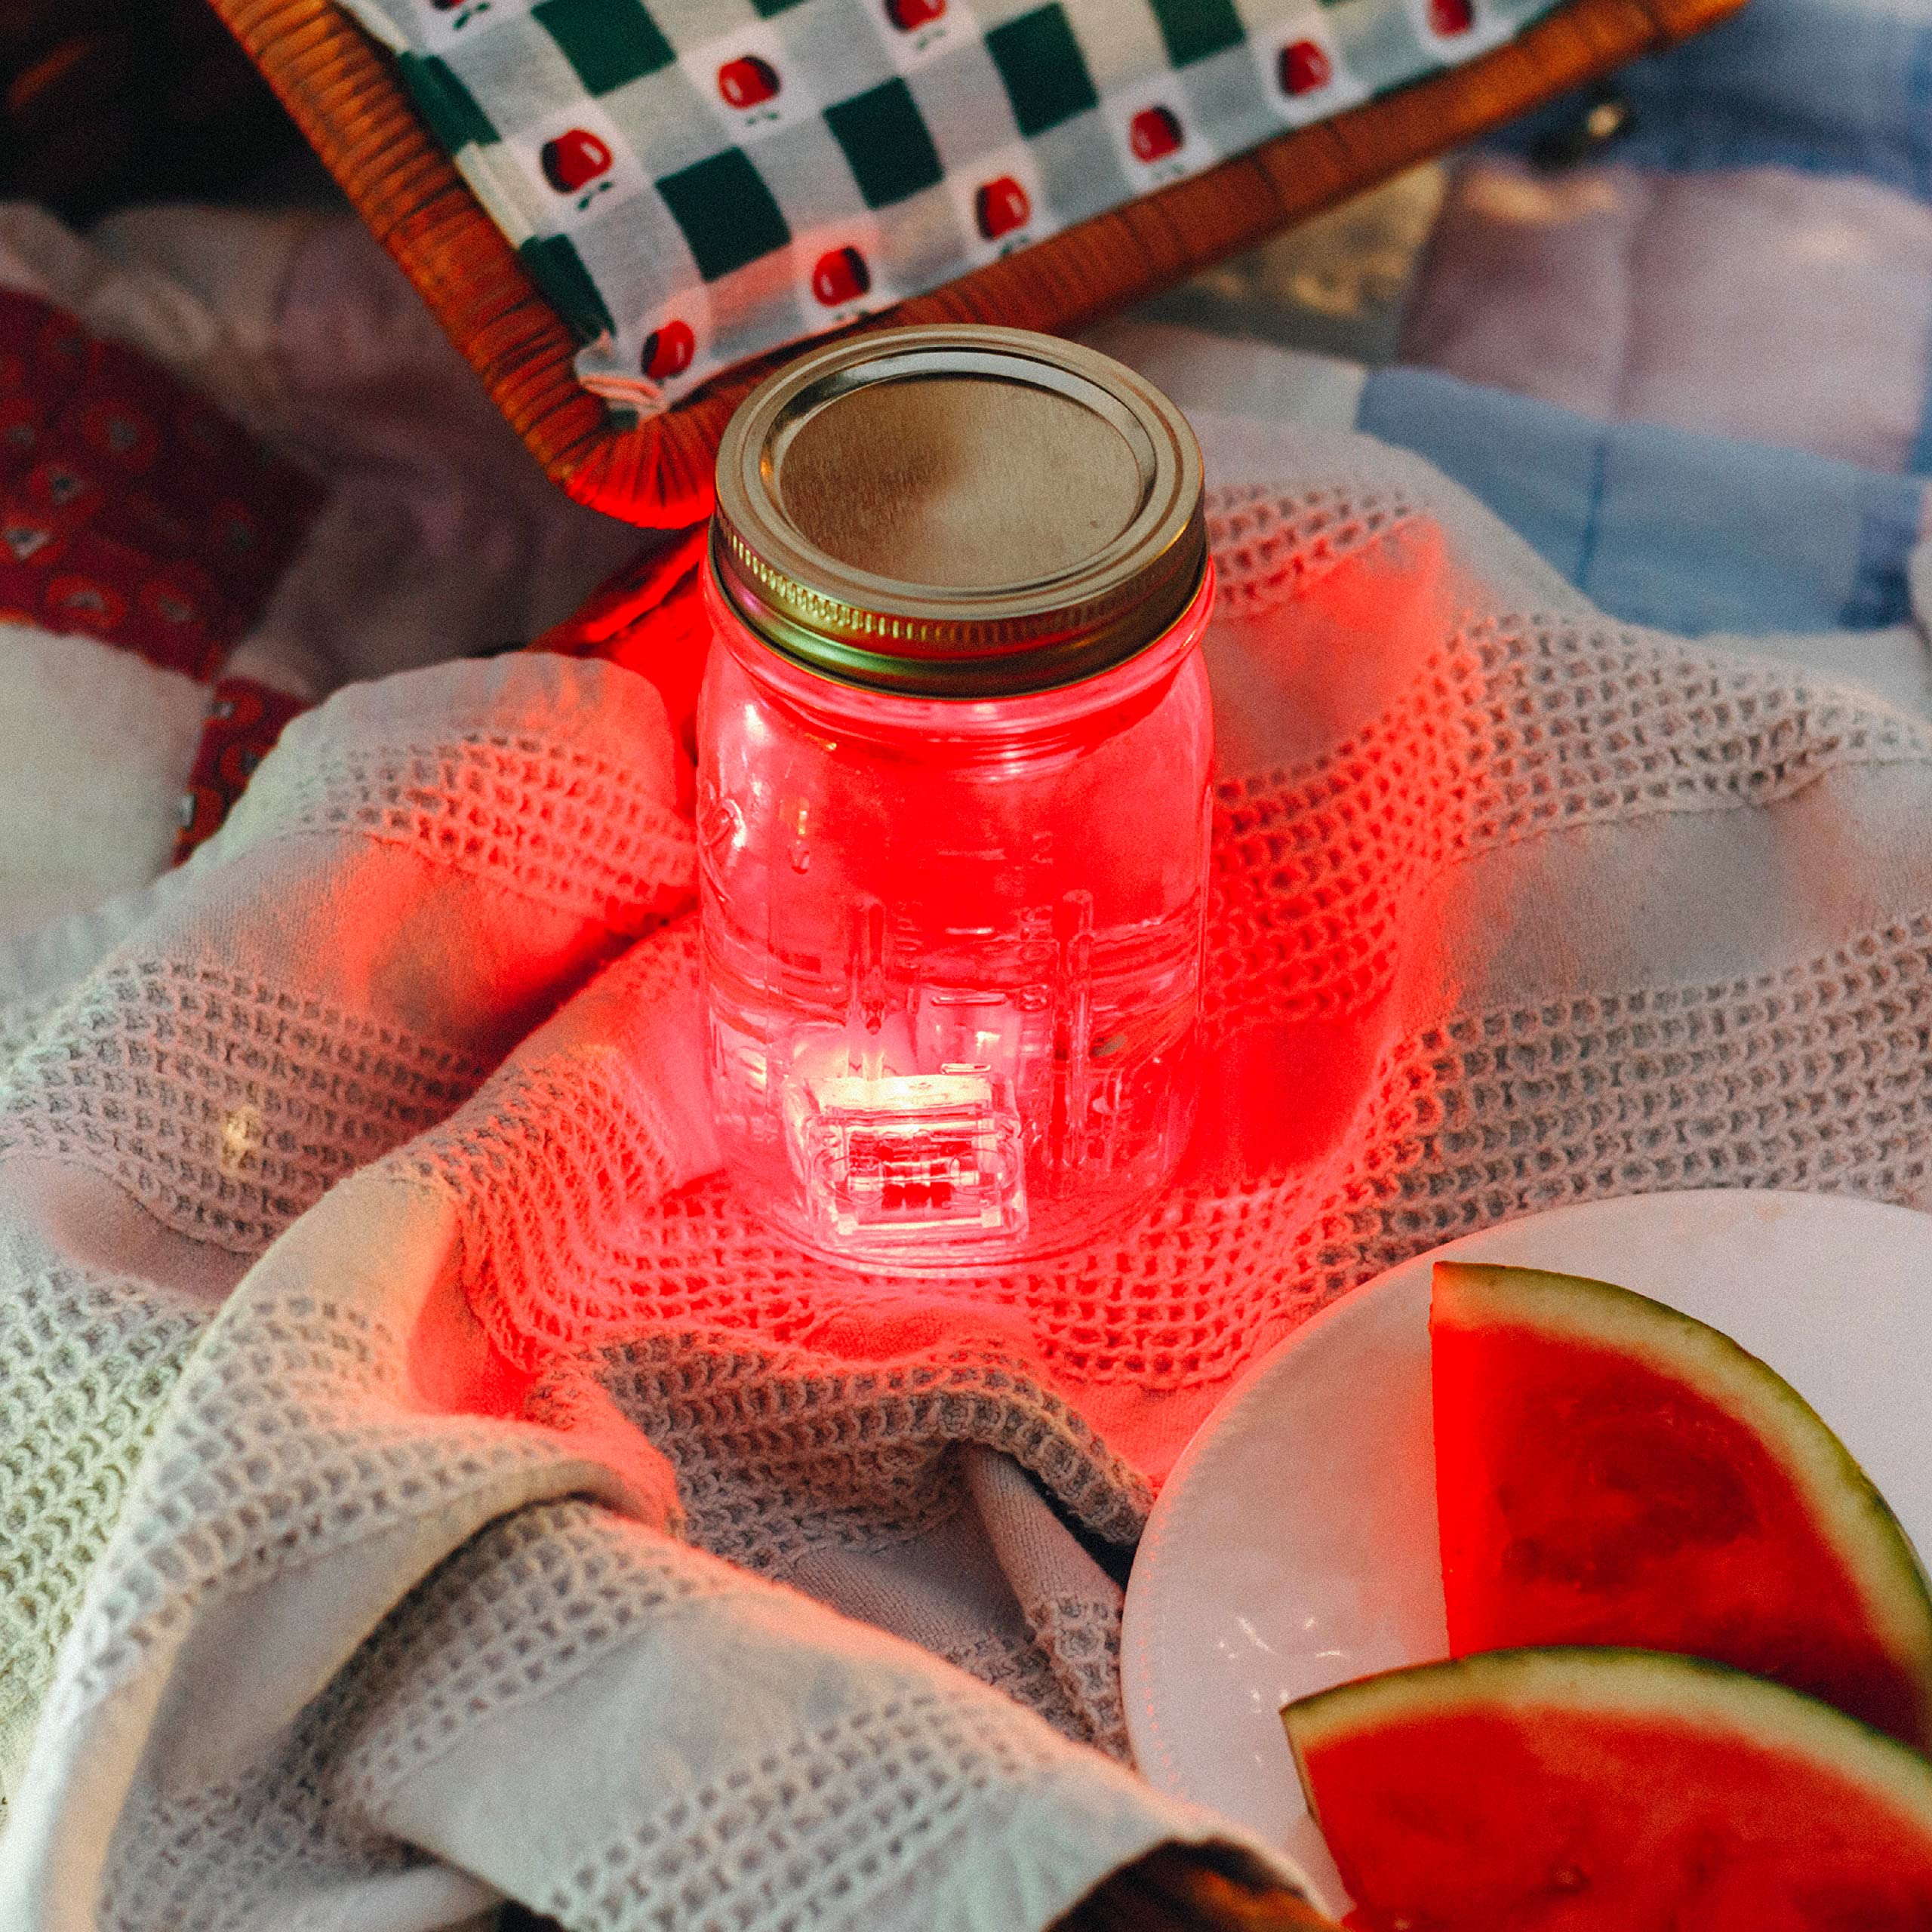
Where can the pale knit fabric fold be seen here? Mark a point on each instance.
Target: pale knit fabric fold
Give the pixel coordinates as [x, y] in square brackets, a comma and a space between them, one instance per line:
[427, 1482]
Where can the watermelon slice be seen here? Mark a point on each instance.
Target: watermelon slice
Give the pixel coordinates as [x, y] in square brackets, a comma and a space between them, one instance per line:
[1608, 1471]
[1611, 1791]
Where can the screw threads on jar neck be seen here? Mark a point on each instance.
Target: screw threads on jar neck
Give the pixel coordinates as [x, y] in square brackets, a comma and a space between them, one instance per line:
[958, 512]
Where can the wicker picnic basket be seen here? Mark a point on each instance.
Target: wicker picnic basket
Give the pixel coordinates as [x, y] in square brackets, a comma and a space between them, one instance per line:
[344, 94]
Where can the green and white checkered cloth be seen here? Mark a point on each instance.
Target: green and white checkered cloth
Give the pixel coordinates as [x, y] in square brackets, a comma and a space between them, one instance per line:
[694, 182]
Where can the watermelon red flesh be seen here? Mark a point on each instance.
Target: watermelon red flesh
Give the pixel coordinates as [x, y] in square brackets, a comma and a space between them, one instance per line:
[1609, 1471]
[1611, 1791]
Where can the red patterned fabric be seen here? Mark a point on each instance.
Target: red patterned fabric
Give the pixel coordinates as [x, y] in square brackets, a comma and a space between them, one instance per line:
[244, 720]
[130, 511]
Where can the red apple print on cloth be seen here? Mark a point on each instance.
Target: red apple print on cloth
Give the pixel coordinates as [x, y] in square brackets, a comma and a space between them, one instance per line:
[908, 16]
[1448, 16]
[1000, 207]
[668, 351]
[573, 158]
[1304, 68]
[1154, 132]
[840, 275]
[748, 82]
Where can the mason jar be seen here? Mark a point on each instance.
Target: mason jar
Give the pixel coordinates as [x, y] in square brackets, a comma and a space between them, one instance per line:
[953, 796]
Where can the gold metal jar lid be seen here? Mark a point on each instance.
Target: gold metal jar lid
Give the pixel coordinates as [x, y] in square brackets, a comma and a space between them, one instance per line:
[958, 512]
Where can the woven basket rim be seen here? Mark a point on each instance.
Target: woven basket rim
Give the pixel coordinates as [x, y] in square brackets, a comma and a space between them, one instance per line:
[344, 94]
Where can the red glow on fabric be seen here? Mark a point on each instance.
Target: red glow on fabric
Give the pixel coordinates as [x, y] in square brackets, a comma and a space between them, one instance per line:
[454, 1367]
[650, 618]
[393, 925]
[1283, 1098]
[1327, 960]
[901, 1326]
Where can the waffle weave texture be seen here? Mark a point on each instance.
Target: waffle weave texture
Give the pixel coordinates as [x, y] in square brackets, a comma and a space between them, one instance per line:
[426, 1484]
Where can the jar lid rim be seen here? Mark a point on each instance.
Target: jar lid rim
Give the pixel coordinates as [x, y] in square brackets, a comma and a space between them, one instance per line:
[965, 638]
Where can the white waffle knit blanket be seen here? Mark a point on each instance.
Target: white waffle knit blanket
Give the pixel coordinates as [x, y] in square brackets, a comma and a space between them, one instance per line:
[420, 1481]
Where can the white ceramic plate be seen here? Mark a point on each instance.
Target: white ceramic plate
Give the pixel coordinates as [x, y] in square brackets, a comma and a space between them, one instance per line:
[1294, 1546]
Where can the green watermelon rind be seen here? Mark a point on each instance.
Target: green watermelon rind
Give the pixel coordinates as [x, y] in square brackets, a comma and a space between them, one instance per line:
[1620, 1683]
[1878, 1556]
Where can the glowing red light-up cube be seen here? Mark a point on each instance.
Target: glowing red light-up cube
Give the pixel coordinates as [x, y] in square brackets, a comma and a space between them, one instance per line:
[908, 1156]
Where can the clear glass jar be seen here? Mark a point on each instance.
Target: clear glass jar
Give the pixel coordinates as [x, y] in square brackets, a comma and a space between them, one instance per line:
[952, 944]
